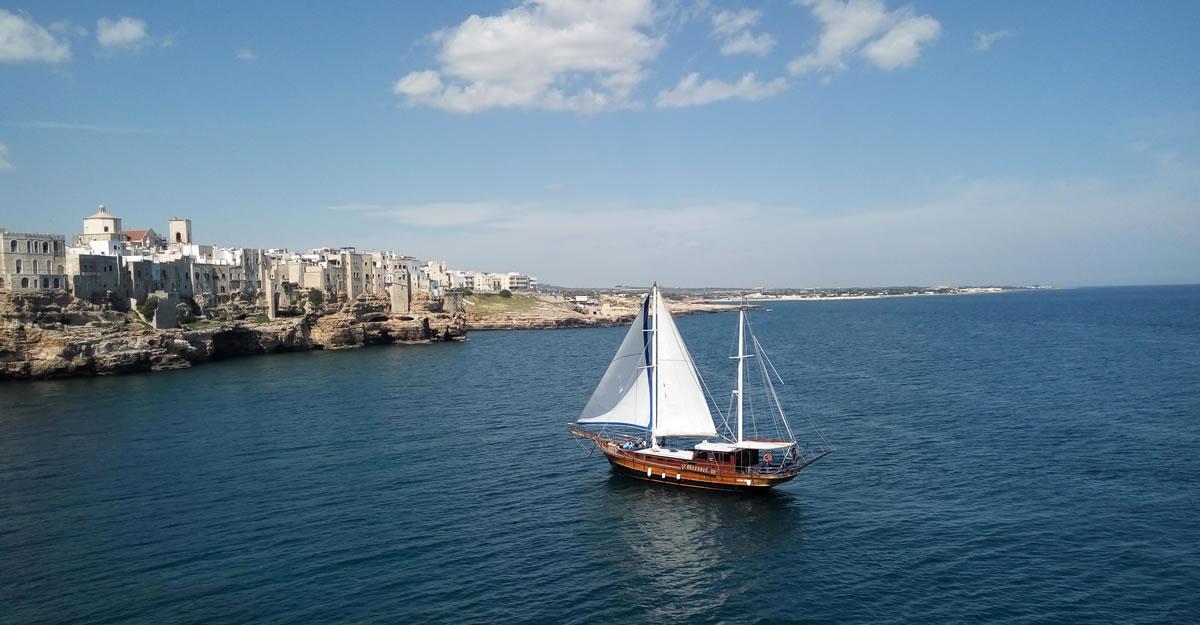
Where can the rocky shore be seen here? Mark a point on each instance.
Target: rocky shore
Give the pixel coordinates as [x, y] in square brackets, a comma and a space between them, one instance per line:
[49, 335]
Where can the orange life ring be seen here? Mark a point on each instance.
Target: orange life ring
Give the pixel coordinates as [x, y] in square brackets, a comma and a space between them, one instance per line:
[767, 457]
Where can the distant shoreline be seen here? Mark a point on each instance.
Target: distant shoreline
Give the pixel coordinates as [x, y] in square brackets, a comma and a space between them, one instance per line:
[826, 298]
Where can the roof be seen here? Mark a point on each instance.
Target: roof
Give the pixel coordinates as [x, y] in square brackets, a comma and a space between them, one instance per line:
[138, 235]
[102, 213]
[720, 446]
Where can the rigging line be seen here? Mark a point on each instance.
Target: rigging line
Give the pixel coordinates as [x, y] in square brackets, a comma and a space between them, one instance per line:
[807, 416]
[778, 406]
[728, 428]
[761, 370]
[753, 415]
[762, 352]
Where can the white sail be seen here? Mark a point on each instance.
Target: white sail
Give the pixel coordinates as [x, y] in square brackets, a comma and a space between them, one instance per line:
[682, 407]
[624, 394]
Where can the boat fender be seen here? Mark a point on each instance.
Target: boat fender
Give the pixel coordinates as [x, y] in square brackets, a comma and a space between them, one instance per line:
[767, 457]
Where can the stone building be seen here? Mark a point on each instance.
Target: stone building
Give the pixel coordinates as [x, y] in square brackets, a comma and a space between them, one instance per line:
[96, 278]
[31, 261]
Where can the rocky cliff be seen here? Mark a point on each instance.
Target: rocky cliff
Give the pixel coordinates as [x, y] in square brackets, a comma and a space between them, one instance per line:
[45, 335]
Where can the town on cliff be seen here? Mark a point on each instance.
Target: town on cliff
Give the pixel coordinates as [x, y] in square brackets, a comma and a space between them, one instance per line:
[114, 300]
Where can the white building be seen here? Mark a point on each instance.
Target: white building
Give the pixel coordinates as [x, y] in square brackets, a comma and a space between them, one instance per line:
[101, 226]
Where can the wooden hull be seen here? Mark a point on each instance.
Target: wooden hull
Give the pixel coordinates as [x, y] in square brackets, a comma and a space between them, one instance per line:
[687, 473]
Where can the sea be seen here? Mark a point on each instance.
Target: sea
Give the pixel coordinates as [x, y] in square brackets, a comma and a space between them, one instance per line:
[1025, 457]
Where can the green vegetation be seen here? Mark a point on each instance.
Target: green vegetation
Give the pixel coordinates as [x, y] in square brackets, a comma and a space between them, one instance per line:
[148, 307]
[316, 298]
[506, 294]
[500, 304]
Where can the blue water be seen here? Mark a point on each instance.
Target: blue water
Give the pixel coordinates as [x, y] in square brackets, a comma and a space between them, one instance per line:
[1016, 458]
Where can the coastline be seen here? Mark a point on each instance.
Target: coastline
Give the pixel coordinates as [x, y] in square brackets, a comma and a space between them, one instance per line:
[56, 337]
[548, 314]
[827, 298]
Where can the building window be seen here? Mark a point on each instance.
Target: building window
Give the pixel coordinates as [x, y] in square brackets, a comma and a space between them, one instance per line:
[56, 283]
[179, 237]
[45, 247]
[45, 283]
[18, 265]
[106, 228]
[60, 269]
[24, 283]
[12, 245]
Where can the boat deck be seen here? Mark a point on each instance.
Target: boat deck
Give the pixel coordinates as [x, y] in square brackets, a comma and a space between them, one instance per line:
[674, 454]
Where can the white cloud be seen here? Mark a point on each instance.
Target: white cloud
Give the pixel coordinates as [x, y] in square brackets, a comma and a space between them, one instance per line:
[747, 43]
[728, 23]
[985, 41]
[733, 28]
[68, 28]
[901, 46]
[246, 54]
[24, 40]
[691, 91]
[437, 215]
[419, 85]
[122, 33]
[1129, 230]
[889, 39]
[575, 55]
[4, 164]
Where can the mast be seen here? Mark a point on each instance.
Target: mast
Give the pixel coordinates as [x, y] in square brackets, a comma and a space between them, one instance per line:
[741, 358]
[654, 370]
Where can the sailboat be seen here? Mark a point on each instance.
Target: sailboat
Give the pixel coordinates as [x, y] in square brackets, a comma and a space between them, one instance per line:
[652, 392]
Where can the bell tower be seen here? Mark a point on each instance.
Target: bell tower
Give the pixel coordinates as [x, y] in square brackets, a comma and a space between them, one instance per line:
[179, 231]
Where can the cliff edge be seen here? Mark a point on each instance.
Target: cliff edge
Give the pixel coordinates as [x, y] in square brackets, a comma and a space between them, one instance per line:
[49, 335]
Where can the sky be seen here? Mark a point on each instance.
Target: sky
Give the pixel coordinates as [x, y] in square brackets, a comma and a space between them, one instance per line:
[771, 144]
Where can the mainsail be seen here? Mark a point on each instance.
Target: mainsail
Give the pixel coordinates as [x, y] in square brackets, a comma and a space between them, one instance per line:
[638, 377]
[682, 407]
